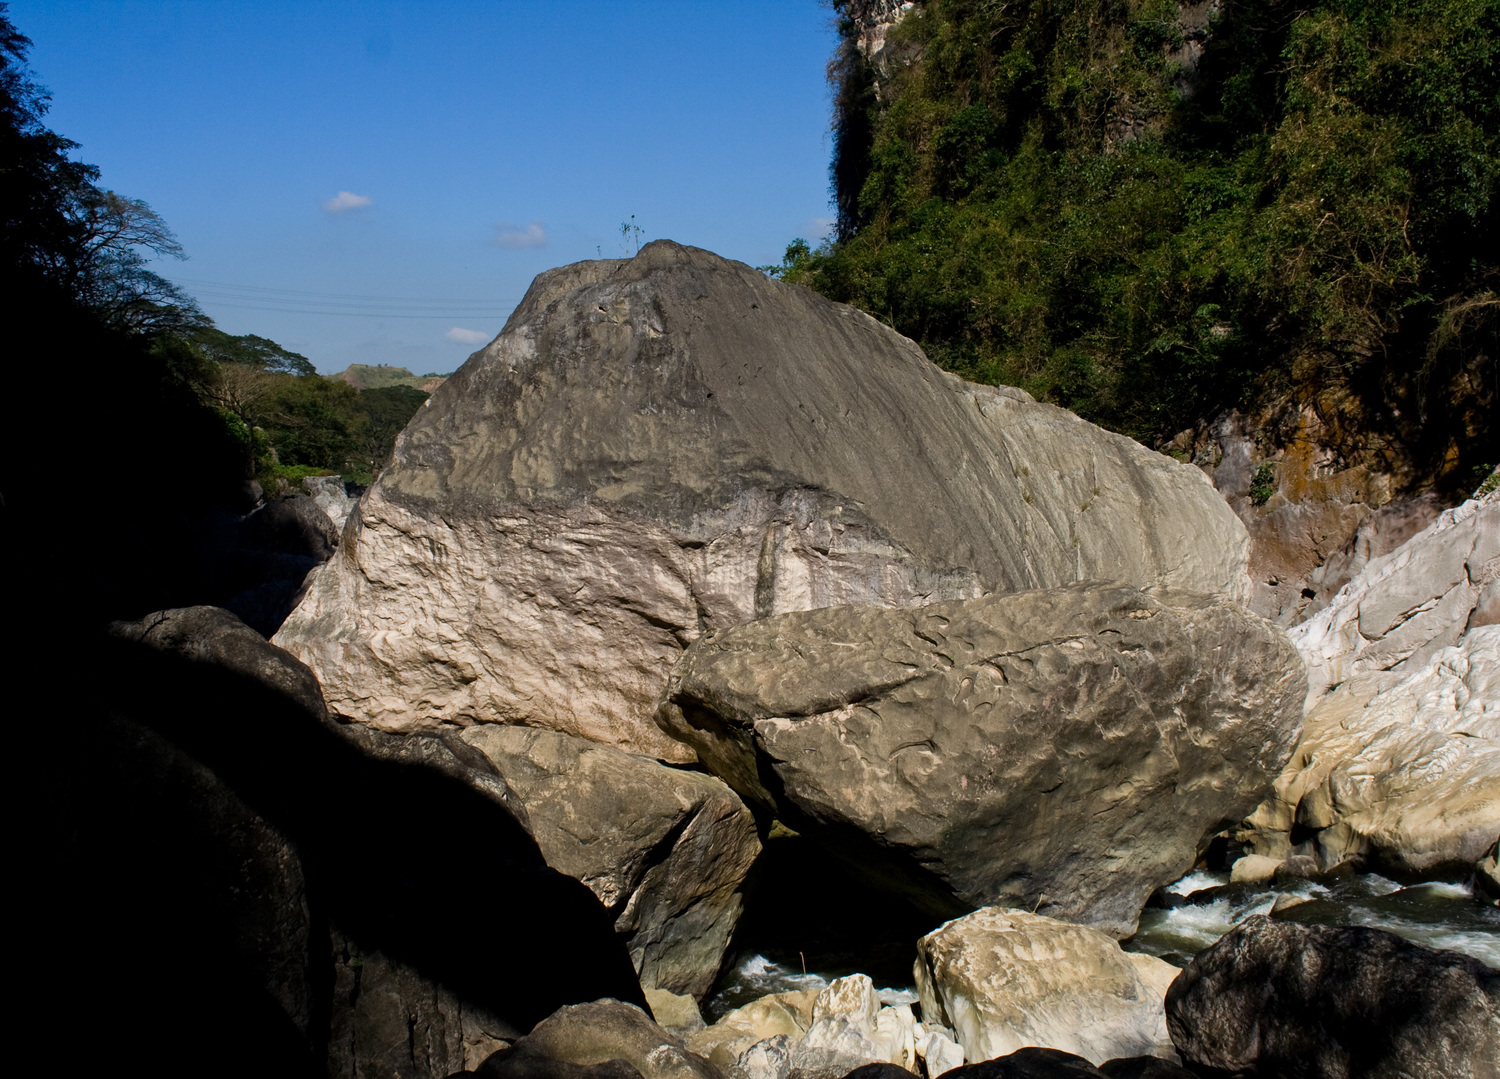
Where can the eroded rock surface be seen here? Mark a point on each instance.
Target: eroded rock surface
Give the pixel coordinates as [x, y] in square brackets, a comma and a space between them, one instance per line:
[1061, 750]
[1278, 998]
[593, 1035]
[1399, 762]
[1007, 979]
[661, 447]
[665, 850]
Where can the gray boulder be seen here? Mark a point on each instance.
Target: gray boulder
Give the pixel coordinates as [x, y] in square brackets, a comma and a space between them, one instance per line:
[661, 447]
[1280, 998]
[1063, 751]
[665, 850]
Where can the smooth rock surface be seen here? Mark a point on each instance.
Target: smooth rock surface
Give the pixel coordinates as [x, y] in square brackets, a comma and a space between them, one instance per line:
[1399, 762]
[1006, 979]
[660, 447]
[1335, 1003]
[1062, 750]
[665, 850]
[775, 1015]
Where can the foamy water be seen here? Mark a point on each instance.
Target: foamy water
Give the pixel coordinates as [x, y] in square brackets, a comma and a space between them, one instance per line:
[1438, 914]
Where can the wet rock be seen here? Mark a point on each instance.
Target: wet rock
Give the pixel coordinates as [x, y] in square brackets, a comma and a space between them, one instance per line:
[658, 448]
[1487, 876]
[1006, 979]
[1335, 1003]
[1253, 869]
[1061, 750]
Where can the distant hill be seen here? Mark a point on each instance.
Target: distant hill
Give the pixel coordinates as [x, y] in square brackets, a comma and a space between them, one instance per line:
[364, 376]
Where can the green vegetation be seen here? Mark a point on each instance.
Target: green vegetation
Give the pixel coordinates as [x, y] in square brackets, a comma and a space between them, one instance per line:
[364, 376]
[1263, 484]
[1052, 196]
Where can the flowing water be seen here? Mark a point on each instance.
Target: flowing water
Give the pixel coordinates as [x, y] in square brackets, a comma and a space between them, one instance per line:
[838, 930]
[1438, 914]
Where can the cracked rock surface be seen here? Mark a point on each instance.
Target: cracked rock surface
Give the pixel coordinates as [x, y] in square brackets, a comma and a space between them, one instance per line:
[661, 447]
[1061, 751]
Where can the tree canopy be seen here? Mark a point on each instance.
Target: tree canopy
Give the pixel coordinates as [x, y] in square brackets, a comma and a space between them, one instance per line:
[1148, 212]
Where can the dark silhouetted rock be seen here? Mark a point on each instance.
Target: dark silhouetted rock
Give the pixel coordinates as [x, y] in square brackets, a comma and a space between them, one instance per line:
[1144, 1068]
[1062, 750]
[231, 867]
[1280, 998]
[1030, 1063]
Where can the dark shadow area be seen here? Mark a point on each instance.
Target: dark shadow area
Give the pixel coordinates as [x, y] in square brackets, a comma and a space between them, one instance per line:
[191, 835]
[803, 906]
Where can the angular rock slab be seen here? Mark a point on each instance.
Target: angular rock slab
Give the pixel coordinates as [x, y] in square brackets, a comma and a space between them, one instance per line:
[665, 850]
[1280, 998]
[1008, 979]
[1062, 750]
[658, 447]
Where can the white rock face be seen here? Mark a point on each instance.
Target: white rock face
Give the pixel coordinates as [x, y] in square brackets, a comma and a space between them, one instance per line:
[1399, 761]
[658, 448]
[328, 492]
[1006, 979]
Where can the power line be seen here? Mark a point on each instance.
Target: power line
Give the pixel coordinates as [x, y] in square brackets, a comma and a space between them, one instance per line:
[312, 302]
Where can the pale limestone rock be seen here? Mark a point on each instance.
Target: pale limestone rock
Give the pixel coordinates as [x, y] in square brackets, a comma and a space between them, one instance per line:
[1399, 762]
[329, 493]
[769, 1059]
[665, 850]
[895, 1036]
[1408, 776]
[1061, 750]
[1253, 869]
[1007, 979]
[940, 1053]
[659, 448]
[771, 1016]
[843, 1032]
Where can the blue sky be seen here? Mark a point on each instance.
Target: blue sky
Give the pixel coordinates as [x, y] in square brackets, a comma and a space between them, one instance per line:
[334, 168]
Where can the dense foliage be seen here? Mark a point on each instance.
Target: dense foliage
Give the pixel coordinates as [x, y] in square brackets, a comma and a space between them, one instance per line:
[1148, 212]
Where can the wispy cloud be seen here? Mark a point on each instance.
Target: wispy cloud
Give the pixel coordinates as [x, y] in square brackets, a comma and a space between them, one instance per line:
[345, 201]
[511, 236]
[466, 337]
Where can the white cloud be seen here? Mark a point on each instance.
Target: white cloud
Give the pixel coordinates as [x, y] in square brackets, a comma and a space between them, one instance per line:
[345, 201]
[466, 337]
[533, 235]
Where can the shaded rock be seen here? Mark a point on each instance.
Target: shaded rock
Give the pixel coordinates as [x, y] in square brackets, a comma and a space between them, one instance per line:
[658, 448]
[1399, 762]
[665, 850]
[392, 836]
[1006, 979]
[1487, 876]
[332, 497]
[1063, 750]
[1033, 1062]
[1283, 998]
[519, 1064]
[607, 1030]
[879, 1071]
[1144, 1068]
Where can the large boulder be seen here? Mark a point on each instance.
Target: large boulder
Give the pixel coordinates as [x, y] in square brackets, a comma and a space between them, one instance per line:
[1007, 979]
[1399, 763]
[661, 447]
[665, 850]
[1278, 998]
[1063, 750]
